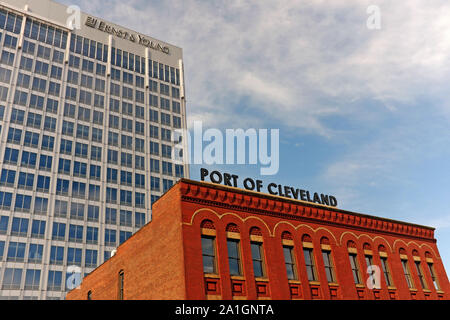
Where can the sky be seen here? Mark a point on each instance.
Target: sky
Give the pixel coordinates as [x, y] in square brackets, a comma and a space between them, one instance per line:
[363, 114]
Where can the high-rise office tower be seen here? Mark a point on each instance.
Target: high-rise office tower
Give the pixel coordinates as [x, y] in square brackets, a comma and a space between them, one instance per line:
[88, 111]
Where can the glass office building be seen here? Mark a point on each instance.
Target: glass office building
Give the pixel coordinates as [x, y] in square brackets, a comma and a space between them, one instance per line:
[88, 114]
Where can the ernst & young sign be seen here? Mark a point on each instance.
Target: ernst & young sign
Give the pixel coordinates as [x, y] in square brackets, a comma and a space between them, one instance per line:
[136, 38]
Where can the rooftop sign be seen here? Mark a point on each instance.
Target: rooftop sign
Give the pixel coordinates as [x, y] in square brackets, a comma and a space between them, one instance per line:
[272, 188]
[136, 38]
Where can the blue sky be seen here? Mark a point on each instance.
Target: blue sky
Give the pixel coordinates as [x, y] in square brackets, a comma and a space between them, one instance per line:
[363, 114]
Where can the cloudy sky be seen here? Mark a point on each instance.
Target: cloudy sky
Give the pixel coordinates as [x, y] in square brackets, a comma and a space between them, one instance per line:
[364, 114]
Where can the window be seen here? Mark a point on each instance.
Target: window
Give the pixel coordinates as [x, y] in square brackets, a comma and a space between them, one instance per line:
[289, 262]
[139, 219]
[17, 116]
[126, 197]
[38, 229]
[111, 195]
[8, 177]
[74, 256]
[121, 285]
[59, 231]
[234, 257]
[258, 259]
[91, 235]
[97, 134]
[139, 162]
[110, 216]
[47, 143]
[54, 280]
[154, 148]
[35, 253]
[329, 267]
[422, 280]
[124, 235]
[209, 254]
[167, 184]
[139, 200]
[50, 124]
[167, 168]
[23, 203]
[139, 180]
[93, 213]
[4, 223]
[28, 159]
[62, 187]
[19, 227]
[45, 162]
[155, 184]
[125, 218]
[75, 233]
[110, 237]
[95, 172]
[82, 131]
[60, 208]
[179, 171]
[16, 252]
[81, 150]
[113, 156]
[79, 169]
[14, 135]
[433, 276]
[113, 139]
[386, 272]
[310, 264]
[355, 268]
[12, 278]
[90, 258]
[407, 274]
[94, 192]
[77, 211]
[11, 156]
[78, 189]
[43, 184]
[32, 279]
[40, 205]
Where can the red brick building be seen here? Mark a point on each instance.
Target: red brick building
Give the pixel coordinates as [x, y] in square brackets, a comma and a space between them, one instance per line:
[208, 241]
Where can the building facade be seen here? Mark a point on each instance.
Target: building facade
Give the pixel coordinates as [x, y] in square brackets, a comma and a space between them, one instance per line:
[87, 115]
[208, 241]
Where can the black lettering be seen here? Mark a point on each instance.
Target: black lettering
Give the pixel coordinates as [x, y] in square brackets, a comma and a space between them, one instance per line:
[295, 192]
[325, 199]
[214, 180]
[303, 195]
[259, 185]
[307, 197]
[203, 173]
[287, 191]
[317, 198]
[280, 191]
[235, 179]
[227, 179]
[333, 201]
[252, 184]
[270, 186]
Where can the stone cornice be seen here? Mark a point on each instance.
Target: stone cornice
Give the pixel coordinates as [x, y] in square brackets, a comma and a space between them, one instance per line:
[263, 204]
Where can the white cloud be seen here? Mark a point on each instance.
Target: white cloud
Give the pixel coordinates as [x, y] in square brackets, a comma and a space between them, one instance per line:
[287, 57]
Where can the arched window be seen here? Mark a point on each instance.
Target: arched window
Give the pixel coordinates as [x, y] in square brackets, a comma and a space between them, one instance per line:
[327, 259]
[354, 264]
[308, 253]
[234, 249]
[385, 265]
[406, 268]
[89, 295]
[208, 239]
[121, 285]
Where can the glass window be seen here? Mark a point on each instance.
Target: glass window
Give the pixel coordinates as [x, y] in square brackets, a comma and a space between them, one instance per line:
[209, 254]
[234, 257]
[328, 264]
[422, 280]
[289, 262]
[310, 264]
[386, 271]
[407, 274]
[355, 268]
[258, 259]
